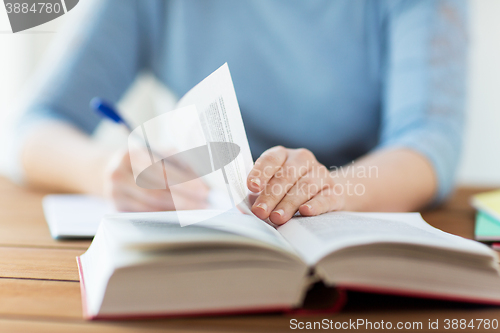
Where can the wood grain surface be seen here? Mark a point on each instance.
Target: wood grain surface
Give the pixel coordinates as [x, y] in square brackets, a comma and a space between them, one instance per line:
[39, 289]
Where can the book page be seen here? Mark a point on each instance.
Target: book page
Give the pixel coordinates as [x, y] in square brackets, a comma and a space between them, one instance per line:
[162, 229]
[221, 122]
[318, 236]
[203, 142]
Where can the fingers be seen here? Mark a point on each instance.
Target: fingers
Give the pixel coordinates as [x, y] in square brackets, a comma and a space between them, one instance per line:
[325, 201]
[127, 203]
[298, 163]
[120, 186]
[306, 188]
[291, 180]
[135, 199]
[156, 200]
[252, 197]
[195, 188]
[265, 167]
[187, 203]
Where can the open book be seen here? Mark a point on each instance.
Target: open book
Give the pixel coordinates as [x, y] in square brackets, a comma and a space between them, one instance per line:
[146, 264]
[225, 261]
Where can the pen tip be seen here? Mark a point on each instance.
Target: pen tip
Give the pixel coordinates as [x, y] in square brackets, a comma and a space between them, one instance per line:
[95, 103]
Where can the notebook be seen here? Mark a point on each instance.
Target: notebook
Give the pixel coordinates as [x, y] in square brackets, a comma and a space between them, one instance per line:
[74, 215]
[78, 215]
[487, 229]
[488, 202]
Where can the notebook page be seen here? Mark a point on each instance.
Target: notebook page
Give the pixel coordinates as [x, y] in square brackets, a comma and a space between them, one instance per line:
[316, 237]
[74, 215]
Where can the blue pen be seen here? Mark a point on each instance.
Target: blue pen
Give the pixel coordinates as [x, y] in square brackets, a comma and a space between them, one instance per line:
[107, 110]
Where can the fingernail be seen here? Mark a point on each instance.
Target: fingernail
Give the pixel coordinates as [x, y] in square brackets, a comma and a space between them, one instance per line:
[309, 206]
[280, 212]
[262, 206]
[256, 181]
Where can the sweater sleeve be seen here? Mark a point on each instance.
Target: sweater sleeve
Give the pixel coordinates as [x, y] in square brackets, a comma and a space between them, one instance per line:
[424, 83]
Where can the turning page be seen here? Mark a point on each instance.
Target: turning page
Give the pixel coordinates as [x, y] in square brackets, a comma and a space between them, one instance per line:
[220, 117]
[205, 138]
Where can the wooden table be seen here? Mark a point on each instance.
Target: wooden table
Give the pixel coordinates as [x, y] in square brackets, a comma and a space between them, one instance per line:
[39, 289]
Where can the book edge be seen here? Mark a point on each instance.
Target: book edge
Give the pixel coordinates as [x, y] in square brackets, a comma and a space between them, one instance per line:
[339, 304]
[87, 316]
[82, 289]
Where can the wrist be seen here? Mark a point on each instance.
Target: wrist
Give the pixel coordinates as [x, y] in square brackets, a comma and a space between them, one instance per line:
[94, 174]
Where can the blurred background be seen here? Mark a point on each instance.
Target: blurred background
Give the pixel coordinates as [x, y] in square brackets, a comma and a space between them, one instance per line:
[480, 165]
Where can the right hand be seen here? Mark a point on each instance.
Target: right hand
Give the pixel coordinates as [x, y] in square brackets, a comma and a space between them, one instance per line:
[120, 187]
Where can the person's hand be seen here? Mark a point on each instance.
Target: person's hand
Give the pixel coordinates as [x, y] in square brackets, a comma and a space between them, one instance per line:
[291, 180]
[120, 187]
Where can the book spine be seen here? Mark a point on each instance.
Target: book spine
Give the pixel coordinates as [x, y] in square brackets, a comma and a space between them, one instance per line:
[336, 307]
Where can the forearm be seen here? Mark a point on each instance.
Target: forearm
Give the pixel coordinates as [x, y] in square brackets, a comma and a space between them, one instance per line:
[58, 157]
[387, 180]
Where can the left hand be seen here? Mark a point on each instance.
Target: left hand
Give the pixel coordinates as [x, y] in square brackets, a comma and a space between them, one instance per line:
[291, 180]
[126, 195]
